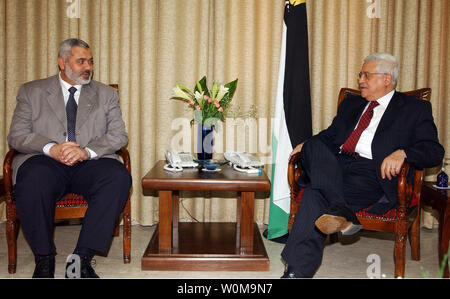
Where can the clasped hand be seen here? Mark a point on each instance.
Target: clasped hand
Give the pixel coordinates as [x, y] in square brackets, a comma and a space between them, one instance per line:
[68, 153]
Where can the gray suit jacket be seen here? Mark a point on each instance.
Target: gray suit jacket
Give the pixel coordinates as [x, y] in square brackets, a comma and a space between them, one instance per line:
[40, 118]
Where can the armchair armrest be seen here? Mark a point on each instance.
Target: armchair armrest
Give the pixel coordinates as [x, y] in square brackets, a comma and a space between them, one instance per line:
[407, 190]
[7, 173]
[123, 152]
[293, 174]
[294, 171]
[402, 187]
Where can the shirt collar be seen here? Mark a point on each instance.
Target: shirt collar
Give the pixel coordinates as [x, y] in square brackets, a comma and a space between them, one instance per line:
[384, 100]
[65, 85]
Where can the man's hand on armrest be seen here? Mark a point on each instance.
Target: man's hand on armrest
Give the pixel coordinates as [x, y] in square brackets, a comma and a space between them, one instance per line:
[392, 164]
[297, 149]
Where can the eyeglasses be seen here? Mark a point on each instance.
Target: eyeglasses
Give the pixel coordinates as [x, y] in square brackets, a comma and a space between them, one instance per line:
[368, 74]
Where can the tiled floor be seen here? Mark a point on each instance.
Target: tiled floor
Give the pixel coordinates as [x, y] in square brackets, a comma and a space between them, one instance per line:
[352, 257]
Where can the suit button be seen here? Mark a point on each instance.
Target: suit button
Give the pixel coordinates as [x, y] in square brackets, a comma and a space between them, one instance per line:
[64, 134]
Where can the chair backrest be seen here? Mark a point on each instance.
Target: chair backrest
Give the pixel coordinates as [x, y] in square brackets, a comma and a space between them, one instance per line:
[421, 94]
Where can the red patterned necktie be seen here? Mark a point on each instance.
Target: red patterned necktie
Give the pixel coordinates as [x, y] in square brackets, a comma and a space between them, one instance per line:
[350, 144]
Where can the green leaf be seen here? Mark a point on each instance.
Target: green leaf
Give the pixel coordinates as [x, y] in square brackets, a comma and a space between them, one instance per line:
[229, 95]
[185, 89]
[202, 87]
[214, 90]
[182, 87]
[232, 88]
[198, 87]
[178, 98]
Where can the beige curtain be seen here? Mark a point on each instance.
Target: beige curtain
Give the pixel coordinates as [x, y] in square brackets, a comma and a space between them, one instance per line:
[147, 46]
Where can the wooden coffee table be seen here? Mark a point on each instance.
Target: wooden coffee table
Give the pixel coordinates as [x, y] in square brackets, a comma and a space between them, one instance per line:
[439, 200]
[209, 246]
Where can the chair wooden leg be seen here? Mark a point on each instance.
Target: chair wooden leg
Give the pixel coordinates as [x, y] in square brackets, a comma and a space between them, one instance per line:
[12, 228]
[444, 237]
[414, 239]
[127, 233]
[399, 253]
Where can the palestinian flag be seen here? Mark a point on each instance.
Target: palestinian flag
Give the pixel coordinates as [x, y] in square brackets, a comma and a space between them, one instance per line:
[292, 123]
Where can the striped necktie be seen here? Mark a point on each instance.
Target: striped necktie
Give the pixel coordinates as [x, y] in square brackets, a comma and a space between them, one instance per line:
[350, 144]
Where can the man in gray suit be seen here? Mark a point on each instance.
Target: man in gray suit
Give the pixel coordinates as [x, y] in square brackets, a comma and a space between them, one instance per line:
[67, 129]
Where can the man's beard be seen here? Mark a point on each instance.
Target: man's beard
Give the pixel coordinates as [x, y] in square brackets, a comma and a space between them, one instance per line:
[77, 78]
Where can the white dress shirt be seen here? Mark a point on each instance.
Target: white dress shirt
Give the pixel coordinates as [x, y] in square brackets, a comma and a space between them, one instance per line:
[65, 91]
[364, 145]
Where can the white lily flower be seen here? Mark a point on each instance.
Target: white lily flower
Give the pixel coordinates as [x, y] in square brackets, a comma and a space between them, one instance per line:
[222, 92]
[177, 92]
[198, 96]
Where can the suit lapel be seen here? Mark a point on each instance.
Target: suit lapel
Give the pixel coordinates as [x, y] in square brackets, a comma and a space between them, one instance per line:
[56, 101]
[392, 110]
[386, 123]
[86, 103]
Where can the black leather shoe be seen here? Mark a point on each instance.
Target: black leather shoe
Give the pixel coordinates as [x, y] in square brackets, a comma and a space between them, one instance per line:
[45, 268]
[339, 219]
[86, 270]
[290, 273]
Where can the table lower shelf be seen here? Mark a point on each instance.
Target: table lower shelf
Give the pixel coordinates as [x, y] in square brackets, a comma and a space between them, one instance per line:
[206, 246]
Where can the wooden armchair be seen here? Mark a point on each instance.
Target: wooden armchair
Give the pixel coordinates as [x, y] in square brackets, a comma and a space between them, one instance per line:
[70, 206]
[400, 221]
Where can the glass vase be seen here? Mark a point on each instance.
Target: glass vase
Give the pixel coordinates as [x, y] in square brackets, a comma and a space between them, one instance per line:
[205, 142]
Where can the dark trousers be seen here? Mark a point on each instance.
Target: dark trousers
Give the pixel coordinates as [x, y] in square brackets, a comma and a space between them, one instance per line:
[330, 181]
[41, 181]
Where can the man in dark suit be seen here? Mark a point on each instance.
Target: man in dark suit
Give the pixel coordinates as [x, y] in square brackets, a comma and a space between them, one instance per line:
[353, 163]
[67, 129]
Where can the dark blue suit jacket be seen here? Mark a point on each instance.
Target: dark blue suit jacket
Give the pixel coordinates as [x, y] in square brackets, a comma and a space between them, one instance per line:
[406, 124]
